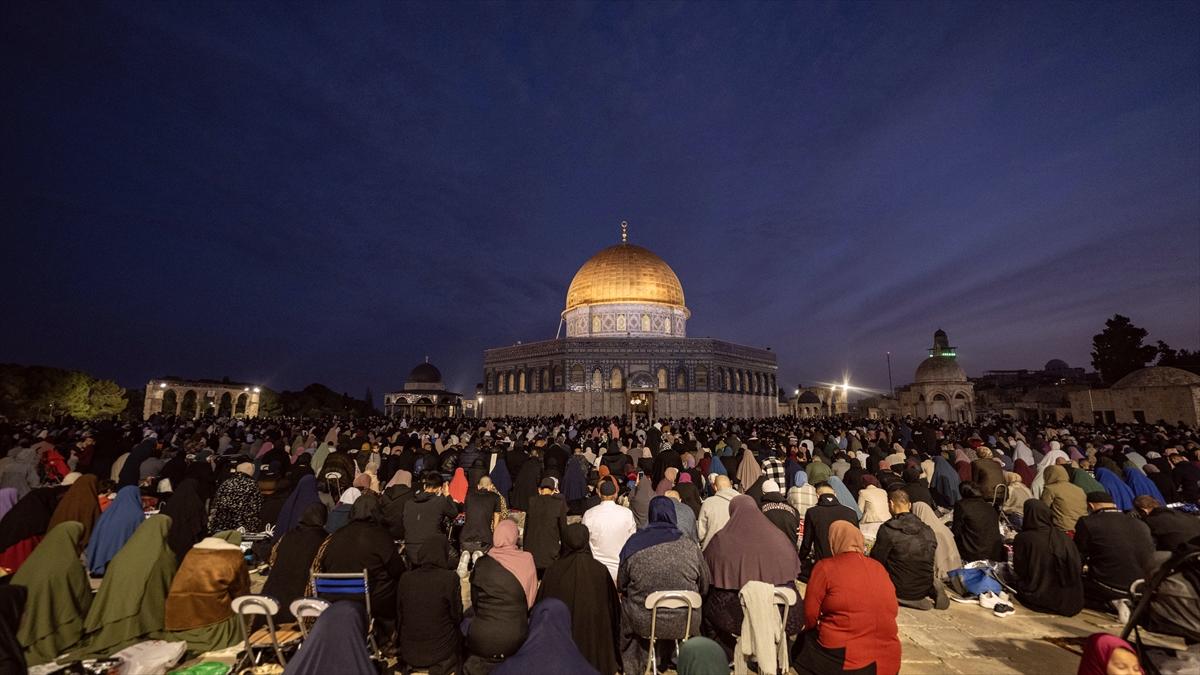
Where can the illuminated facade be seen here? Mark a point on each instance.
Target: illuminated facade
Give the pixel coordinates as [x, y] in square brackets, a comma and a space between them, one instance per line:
[626, 352]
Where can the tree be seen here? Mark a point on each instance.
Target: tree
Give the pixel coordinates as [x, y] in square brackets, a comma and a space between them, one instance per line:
[1118, 349]
[1178, 358]
[106, 399]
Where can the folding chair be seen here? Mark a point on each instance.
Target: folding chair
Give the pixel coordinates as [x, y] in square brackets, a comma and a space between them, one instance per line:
[669, 600]
[342, 584]
[333, 483]
[277, 639]
[307, 608]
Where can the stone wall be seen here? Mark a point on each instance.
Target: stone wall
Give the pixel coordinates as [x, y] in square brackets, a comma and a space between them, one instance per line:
[1170, 403]
[616, 403]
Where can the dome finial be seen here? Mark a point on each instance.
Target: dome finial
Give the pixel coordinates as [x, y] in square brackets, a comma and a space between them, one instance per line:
[624, 232]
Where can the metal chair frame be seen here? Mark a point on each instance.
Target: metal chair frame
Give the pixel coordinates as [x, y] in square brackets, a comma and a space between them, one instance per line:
[668, 600]
[257, 605]
[307, 608]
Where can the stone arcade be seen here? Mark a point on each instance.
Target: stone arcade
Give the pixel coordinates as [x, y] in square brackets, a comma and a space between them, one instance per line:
[626, 352]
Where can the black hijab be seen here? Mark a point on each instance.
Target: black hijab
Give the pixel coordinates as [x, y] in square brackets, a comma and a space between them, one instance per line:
[30, 516]
[586, 587]
[189, 520]
[1047, 565]
[293, 556]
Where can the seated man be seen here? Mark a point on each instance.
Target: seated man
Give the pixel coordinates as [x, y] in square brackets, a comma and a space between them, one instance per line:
[816, 525]
[1115, 547]
[905, 547]
[1169, 528]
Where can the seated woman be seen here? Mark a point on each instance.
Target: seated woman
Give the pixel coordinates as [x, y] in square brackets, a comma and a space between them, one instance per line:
[849, 612]
[976, 526]
[1049, 573]
[503, 588]
[946, 557]
[587, 589]
[116, 525]
[131, 603]
[1015, 496]
[429, 611]
[1105, 654]
[198, 608]
[339, 515]
[549, 647]
[292, 558]
[658, 557]
[364, 544]
[238, 502]
[748, 548]
[59, 595]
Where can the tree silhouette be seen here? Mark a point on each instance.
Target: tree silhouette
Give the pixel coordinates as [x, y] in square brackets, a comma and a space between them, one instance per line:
[1118, 349]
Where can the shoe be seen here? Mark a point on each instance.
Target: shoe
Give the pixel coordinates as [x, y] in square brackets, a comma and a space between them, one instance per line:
[1123, 611]
[1003, 609]
[989, 600]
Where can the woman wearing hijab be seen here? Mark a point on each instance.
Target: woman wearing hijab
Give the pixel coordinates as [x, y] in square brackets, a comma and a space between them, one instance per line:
[303, 496]
[526, 484]
[1047, 565]
[188, 518]
[339, 515]
[1121, 494]
[429, 611]
[748, 470]
[364, 544]
[116, 525]
[501, 478]
[1105, 654]
[587, 589]
[849, 611]
[335, 645]
[689, 493]
[639, 501]
[549, 649]
[59, 595]
[657, 558]
[237, 503]
[946, 556]
[701, 656]
[1141, 485]
[749, 548]
[503, 587]
[1066, 500]
[976, 526]
[25, 524]
[459, 486]
[131, 603]
[291, 560]
[945, 483]
[198, 609]
[1052, 458]
[81, 504]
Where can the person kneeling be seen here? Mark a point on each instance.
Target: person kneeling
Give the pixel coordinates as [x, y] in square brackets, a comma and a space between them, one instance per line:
[906, 547]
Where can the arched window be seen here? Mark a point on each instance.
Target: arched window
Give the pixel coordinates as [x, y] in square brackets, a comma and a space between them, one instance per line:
[595, 324]
[577, 376]
[521, 381]
[512, 381]
[615, 380]
[543, 380]
[597, 380]
[621, 322]
[702, 379]
[667, 325]
[662, 378]
[646, 322]
[681, 380]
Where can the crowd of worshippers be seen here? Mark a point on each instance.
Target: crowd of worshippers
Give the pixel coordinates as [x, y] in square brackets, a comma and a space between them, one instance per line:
[561, 528]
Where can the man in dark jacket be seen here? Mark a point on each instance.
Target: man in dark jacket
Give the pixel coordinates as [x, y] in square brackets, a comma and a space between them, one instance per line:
[1114, 546]
[905, 547]
[429, 610]
[428, 514]
[1169, 528]
[915, 486]
[817, 520]
[545, 522]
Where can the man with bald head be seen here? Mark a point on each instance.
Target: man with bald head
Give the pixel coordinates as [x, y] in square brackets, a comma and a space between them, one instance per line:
[714, 512]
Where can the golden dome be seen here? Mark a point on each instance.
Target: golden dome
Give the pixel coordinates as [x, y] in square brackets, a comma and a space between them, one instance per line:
[624, 273]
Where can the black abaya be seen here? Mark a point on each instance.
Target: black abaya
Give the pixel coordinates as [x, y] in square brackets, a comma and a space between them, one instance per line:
[1048, 568]
[586, 587]
[293, 557]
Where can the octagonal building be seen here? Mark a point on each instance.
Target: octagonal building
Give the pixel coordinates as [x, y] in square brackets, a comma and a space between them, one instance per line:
[626, 352]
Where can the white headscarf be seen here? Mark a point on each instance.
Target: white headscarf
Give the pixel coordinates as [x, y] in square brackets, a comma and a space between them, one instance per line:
[1051, 457]
[350, 496]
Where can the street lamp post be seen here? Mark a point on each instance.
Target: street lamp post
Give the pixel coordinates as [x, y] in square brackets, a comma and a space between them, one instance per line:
[479, 407]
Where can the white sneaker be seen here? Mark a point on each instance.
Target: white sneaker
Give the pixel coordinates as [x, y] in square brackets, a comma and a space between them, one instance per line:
[1123, 611]
[989, 600]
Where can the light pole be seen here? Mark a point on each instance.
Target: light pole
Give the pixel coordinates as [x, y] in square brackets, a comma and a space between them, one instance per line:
[479, 407]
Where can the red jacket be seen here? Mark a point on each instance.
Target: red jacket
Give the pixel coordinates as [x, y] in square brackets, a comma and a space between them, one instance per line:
[851, 601]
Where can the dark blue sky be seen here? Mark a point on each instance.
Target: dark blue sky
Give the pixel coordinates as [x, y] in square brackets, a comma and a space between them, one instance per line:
[288, 193]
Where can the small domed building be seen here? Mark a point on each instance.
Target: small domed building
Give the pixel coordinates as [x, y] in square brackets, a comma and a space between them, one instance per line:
[424, 395]
[626, 352]
[940, 388]
[1144, 396]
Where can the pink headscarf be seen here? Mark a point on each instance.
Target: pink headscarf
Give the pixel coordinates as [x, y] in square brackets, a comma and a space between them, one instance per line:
[519, 563]
[266, 447]
[1098, 650]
